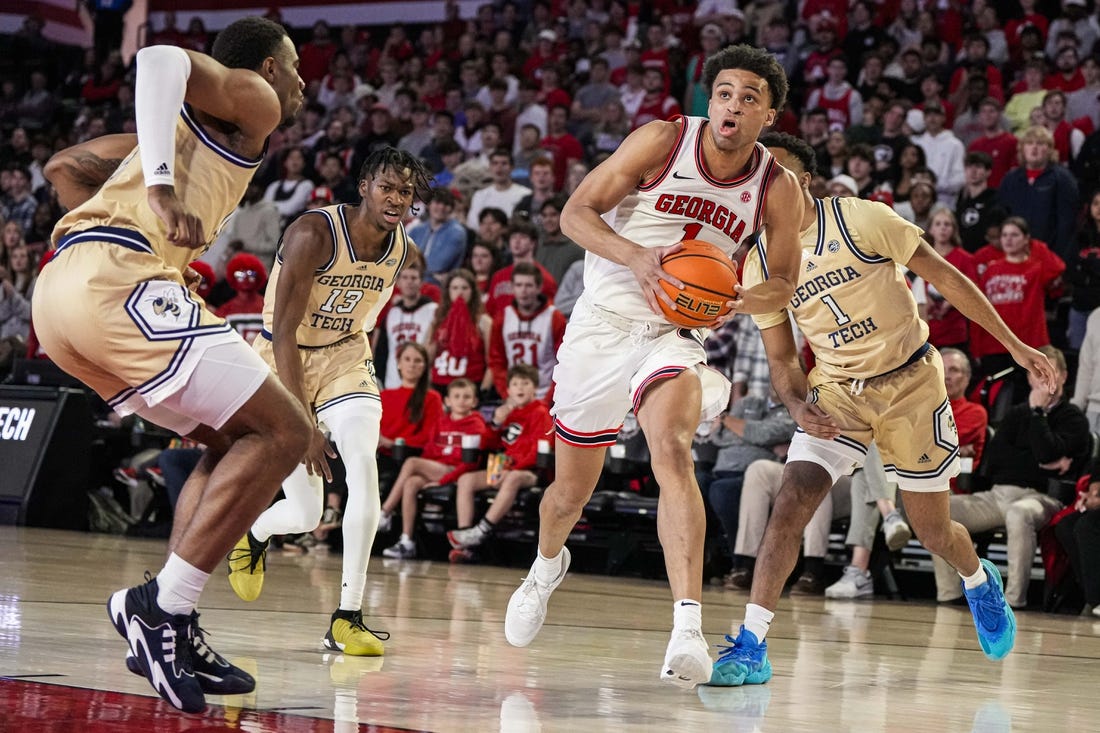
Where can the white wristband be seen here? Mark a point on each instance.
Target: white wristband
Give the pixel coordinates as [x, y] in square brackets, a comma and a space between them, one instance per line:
[161, 86]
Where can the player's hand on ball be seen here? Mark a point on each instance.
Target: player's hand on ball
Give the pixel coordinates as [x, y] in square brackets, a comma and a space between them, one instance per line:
[646, 266]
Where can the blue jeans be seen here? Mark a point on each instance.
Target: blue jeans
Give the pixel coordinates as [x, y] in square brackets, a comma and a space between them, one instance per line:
[723, 494]
[177, 464]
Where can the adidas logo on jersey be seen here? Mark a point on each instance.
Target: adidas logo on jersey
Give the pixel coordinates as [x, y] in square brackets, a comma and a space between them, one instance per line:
[810, 267]
[924, 458]
[162, 170]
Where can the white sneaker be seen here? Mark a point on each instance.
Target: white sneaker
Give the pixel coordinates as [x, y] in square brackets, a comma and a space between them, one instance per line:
[402, 550]
[687, 659]
[527, 607]
[855, 583]
[897, 531]
[385, 521]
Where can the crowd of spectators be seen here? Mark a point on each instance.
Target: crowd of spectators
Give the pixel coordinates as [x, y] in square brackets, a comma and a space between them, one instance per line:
[979, 121]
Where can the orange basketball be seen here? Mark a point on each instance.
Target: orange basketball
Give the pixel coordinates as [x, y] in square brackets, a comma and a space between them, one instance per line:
[709, 277]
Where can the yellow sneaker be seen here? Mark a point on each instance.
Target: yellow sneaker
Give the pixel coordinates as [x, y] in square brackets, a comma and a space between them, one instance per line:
[347, 633]
[247, 563]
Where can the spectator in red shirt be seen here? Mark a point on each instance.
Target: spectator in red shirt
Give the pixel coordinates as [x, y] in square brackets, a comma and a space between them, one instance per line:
[517, 427]
[1067, 75]
[947, 327]
[976, 49]
[409, 411]
[528, 331]
[523, 238]
[656, 104]
[441, 463]
[316, 54]
[562, 146]
[971, 419]
[1017, 286]
[1000, 144]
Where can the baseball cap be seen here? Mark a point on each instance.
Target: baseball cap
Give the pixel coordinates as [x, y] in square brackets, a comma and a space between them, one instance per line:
[322, 193]
[847, 181]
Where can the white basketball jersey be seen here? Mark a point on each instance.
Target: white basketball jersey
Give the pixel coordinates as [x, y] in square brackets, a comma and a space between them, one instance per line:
[531, 341]
[683, 202]
[405, 325]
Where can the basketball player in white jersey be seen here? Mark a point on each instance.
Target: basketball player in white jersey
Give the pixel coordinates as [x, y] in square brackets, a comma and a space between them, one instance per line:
[334, 271]
[112, 308]
[876, 379]
[691, 178]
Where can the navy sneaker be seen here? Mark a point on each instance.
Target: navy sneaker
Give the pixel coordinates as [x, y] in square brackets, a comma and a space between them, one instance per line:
[993, 617]
[161, 644]
[216, 675]
[744, 662]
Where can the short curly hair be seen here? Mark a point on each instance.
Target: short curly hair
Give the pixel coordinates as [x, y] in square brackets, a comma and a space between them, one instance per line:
[796, 146]
[755, 60]
[245, 43]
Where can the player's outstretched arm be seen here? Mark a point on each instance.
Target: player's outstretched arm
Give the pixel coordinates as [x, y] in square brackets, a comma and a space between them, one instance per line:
[307, 245]
[962, 293]
[783, 219]
[640, 157]
[78, 171]
[790, 382]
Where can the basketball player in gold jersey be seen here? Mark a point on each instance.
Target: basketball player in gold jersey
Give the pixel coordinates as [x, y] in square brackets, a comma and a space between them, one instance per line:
[334, 271]
[690, 178]
[876, 379]
[112, 309]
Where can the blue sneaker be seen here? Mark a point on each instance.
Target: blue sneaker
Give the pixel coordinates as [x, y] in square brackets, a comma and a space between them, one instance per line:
[993, 617]
[161, 644]
[216, 674]
[745, 662]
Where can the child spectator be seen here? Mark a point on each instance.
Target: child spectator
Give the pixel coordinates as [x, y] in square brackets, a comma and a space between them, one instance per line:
[441, 463]
[517, 427]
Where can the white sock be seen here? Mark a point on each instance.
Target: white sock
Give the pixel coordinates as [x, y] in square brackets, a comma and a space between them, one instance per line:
[547, 569]
[405, 539]
[758, 620]
[970, 582]
[180, 583]
[687, 614]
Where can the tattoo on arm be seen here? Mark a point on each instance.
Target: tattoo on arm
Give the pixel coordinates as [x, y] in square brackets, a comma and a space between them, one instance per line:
[88, 169]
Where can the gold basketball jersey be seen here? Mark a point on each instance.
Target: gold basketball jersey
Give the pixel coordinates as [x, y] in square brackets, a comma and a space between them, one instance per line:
[210, 181]
[852, 302]
[346, 291]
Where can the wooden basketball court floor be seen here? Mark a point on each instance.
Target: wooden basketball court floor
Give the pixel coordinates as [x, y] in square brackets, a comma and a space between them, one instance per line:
[839, 666]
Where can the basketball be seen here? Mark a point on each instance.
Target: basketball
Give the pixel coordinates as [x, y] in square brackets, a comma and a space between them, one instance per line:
[709, 277]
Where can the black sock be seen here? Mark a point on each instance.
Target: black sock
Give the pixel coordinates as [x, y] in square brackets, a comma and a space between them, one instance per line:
[743, 562]
[485, 525]
[813, 566]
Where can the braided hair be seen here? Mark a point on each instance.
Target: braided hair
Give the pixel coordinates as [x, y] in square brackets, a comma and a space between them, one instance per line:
[398, 161]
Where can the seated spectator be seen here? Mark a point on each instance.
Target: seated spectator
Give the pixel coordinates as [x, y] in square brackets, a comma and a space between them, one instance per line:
[516, 429]
[408, 317]
[527, 331]
[976, 207]
[458, 342]
[441, 463]
[408, 411]
[503, 193]
[22, 269]
[755, 428]
[15, 323]
[441, 239]
[18, 203]
[871, 497]
[762, 481]
[656, 104]
[291, 192]
[918, 208]
[1078, 532]
[564, 149]
[483, 261]
[556, 252]
[911, 162]
[971, 419]
[1033, 438]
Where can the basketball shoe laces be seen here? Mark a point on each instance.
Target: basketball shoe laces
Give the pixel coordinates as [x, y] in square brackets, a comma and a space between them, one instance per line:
[254, 558]
[356, 623]
[989, 610]
[199, 645]
[531, 605]
[735, 653]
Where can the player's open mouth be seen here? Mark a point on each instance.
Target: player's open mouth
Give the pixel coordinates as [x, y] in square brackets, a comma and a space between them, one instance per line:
[728, 126]
[392, 215]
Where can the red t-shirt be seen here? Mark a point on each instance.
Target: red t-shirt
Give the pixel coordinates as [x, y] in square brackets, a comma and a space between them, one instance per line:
[1018, 291]
[499, 295]
[395, 422]
[445, 442]
[562, 149]
[946, 325]
[970, 421]
[1002, 148]
[520, 435]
